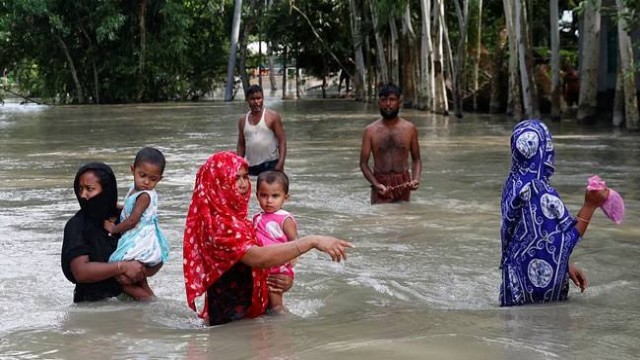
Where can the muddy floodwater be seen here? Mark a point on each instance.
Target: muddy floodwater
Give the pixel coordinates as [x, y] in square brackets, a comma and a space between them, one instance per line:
[421, 283]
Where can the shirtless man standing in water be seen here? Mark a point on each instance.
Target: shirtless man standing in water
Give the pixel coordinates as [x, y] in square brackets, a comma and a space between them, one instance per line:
[391, 139]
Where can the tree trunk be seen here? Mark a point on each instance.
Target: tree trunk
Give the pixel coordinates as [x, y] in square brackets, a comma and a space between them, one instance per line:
[360, 78]
[514, 98]
[427, 100]
[409, 61]
[260, 59]
[72, 68]
[95, 81]
[618, 101]
[556, 86]
[247, 29]
[529, 61]
[231, 65]
[588, 99]
[297, 81]
[371, 80]
[525, 72]
[395, 54]
[460, 59]
[441, 104]
[272, 75]
[380, 53]
[242, 61]
[143, 49]
[91, 53]
[324, 86]
[627, 68]
[496, 104]
[476, 65]
[284, 74]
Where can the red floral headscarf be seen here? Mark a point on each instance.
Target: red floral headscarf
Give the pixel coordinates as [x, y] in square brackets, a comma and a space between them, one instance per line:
[218, 232]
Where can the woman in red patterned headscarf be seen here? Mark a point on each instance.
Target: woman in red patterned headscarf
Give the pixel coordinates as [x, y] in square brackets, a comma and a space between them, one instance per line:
[223, 259]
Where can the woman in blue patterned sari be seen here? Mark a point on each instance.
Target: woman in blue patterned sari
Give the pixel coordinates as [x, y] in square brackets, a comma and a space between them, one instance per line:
[538, 232]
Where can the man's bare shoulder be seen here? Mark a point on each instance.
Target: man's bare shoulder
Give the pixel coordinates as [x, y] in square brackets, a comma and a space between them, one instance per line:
[271, 112]
[406, 123]
[271, 116]
[374, 125]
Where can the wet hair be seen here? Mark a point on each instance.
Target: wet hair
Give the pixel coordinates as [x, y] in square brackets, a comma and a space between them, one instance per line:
[274, 176]
[389, 89]
[253, 89]
[150, 155]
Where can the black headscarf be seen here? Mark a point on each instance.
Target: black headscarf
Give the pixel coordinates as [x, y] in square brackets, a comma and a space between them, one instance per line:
[103, 205]
[84, 233]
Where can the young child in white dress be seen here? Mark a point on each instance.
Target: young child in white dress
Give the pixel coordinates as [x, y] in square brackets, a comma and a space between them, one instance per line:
[141, 240]
[273, 224]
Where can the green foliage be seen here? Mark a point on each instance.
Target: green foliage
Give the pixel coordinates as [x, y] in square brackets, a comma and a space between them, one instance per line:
[44, 40]
[285, 26]
[631, 15]
[47, 44]
[569, 57]
[388, 9]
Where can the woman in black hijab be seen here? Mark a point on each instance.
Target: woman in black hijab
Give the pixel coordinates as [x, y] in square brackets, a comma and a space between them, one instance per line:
[86, 246]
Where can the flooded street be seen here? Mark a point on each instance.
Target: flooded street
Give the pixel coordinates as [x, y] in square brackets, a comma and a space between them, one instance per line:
[421, 283]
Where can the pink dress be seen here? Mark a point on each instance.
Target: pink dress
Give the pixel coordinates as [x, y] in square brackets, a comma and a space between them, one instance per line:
[269, 229]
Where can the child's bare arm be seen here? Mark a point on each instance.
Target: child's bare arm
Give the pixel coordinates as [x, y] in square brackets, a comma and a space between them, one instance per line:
[142, 203]
[290, 229]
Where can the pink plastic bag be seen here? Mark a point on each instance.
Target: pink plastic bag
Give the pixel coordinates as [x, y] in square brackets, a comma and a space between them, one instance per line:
[613, 207]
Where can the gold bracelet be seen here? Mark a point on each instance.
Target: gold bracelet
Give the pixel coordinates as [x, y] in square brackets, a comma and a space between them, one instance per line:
[297, 247]
[119, 269]
[583, 219]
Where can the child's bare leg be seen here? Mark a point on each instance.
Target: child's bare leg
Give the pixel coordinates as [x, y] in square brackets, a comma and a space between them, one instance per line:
[145, 285]
[276, 303]
[139, 291]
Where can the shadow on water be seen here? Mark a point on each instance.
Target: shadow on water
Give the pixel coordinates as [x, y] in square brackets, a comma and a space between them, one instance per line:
[421, 282]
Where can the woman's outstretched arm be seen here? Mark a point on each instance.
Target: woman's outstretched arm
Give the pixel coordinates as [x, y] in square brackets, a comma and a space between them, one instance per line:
[274, 255]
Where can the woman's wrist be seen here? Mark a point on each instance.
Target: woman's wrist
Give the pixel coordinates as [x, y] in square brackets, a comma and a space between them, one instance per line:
[583, 219]
[306, 243]
[589, 208]
[297, 244]
[585, 213]
[119, 267]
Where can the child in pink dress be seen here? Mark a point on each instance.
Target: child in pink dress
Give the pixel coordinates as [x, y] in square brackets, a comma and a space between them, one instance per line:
[273, 224]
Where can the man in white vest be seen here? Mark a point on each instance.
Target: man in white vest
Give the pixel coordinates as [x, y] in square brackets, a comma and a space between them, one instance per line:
[261, 137]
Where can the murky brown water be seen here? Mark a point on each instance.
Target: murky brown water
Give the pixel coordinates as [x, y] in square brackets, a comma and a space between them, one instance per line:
[422, 282]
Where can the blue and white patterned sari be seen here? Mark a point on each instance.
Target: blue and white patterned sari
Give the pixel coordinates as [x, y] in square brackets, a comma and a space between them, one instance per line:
[538, 233]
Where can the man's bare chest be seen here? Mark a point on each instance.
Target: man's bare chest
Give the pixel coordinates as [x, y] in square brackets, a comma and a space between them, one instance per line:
[392, 141]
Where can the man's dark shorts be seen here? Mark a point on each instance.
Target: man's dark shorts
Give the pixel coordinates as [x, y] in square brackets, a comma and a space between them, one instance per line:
[267, 165]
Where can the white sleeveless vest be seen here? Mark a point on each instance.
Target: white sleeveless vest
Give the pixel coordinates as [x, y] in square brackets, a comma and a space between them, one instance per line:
[260, 142]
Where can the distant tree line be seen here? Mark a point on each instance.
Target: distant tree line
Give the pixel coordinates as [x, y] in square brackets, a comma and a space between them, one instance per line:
[90, 51]
[504, 56]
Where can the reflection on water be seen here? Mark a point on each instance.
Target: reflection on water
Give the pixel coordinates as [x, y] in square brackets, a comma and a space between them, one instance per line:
[422, 281]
